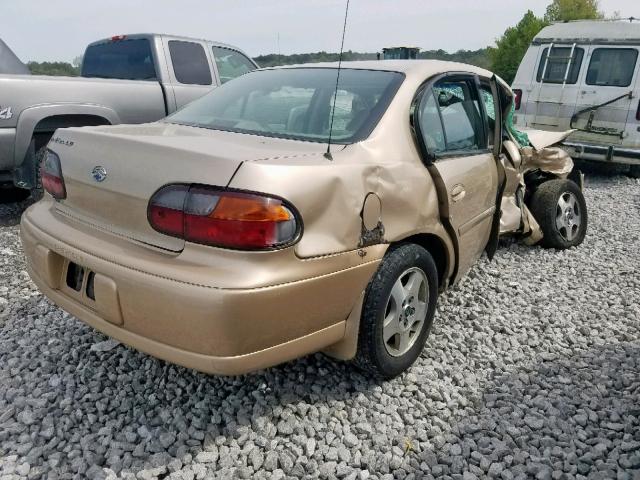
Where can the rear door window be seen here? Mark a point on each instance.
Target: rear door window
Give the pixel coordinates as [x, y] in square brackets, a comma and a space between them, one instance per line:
[231, 64]
[612, 67]
[190, 63]
[461, 120]
[556, 65]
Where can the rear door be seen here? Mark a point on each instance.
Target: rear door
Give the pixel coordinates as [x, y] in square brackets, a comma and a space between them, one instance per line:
[552, 100]
[190, 69]
[605, 99]
[453, 136]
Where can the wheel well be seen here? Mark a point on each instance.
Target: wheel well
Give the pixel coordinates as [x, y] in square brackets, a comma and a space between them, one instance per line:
[436, 247]
[44, 128]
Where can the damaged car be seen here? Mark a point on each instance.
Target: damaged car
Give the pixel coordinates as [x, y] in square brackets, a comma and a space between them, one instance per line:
[282, 215]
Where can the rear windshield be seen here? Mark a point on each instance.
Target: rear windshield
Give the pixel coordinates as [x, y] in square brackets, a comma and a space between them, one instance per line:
[296, 103]
[122, 59]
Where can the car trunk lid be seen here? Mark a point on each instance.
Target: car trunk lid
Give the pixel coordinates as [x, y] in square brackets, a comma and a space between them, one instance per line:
[110, 173]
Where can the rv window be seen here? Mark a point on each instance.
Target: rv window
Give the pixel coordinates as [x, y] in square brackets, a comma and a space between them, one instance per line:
[557, 65]
[612, 67]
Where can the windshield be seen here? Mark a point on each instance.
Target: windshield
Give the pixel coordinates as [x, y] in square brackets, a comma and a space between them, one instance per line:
[296, 103]
[121, 59]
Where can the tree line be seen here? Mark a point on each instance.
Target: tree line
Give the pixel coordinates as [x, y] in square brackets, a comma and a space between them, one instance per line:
[503, 58]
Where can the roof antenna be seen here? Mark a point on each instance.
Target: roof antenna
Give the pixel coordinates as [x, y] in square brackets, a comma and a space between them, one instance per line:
[327, 154]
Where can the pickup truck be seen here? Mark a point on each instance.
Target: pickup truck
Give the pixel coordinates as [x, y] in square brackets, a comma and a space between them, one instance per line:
[124, 79]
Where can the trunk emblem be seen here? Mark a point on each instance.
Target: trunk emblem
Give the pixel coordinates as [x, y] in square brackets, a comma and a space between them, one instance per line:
[99, 173]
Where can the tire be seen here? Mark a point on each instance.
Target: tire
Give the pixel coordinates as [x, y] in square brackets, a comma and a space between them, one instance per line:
[560, 209]
[634, 171]
[409, 312]
[37, 191]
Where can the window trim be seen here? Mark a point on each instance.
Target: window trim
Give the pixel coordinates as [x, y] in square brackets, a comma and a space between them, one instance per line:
[206, 58]
[539, 73]
[633, 71]
[428, 156]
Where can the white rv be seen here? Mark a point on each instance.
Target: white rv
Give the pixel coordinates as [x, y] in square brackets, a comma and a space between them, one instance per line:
[584, 75]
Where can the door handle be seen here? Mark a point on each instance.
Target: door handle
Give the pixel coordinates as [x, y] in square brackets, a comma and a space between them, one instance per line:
[458, 192]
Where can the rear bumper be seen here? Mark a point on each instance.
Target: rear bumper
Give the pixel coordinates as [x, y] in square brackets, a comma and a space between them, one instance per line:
[211, 329]
[603, 153]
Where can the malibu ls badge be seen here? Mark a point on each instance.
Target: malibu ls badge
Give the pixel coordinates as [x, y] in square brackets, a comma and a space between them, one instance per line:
[99, 173]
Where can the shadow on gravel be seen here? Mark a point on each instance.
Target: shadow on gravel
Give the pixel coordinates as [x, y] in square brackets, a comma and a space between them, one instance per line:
[557, 418]
[13, 201]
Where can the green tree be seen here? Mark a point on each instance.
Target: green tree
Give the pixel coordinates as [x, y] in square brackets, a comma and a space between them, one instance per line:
[565, 10]
[510, 48]
[53, 68]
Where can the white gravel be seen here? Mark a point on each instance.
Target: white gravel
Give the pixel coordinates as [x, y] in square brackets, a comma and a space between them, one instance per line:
[532, 371]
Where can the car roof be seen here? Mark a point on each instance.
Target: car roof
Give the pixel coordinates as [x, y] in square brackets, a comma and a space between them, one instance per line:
[171, 37]
[590, 32]
[419, 68]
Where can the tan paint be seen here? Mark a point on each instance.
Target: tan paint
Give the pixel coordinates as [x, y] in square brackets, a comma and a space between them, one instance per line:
[227, 311]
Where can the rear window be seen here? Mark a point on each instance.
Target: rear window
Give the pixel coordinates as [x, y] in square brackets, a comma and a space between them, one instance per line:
[612, 67]
[121, 59]
[556, 67]
[190, 63]
[296, 103]
[231, 64]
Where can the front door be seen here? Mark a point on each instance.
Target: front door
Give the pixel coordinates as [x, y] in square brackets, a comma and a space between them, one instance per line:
[453, 135]
[605, 99]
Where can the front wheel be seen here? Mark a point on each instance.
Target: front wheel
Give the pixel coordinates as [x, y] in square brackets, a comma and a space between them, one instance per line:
[560, 209]
[398, 311]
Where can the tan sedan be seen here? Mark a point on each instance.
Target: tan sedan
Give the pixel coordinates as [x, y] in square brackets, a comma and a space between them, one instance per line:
[231, 236]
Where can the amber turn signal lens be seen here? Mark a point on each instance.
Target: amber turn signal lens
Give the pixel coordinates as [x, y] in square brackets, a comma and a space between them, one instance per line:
[250, 208]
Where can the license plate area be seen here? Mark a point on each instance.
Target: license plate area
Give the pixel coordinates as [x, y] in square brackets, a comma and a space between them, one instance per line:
[94, 290]
[80, 280]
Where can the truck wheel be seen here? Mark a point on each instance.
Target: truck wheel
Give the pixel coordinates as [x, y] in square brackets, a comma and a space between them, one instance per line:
[398, 311]
[634, 171]
[560, 209]
[37, 191]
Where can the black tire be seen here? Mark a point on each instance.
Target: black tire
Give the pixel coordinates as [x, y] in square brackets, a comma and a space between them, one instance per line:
[372, 354]
[548, 211]
[634, 171]
[37, 191]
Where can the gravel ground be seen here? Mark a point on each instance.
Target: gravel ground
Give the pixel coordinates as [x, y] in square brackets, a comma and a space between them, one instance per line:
[532, 371]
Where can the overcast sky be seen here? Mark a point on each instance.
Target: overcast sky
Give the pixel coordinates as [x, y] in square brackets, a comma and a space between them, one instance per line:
[60, 29]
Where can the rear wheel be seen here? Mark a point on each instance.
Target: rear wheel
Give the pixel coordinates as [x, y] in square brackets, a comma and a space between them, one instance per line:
[398, 311]
[560, 209]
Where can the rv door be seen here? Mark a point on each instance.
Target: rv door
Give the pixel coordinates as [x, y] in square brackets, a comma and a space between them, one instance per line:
[555, 86]
[606, 102]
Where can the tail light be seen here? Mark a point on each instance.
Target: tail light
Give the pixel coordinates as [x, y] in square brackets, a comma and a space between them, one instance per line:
[638, 112]
[51, 175]
[518, 98]
[222, 218]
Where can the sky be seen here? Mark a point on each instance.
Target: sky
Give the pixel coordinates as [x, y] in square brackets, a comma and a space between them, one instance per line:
[46, 30]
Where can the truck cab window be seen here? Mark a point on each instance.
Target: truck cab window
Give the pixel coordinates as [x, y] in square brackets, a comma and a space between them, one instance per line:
[121, 59]
[231, 64]
[190, 63]
[556, 65]
[612, 67]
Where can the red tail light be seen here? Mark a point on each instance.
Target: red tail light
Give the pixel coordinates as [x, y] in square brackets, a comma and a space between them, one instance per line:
[51, 175]
[230, 219]
[117, 38]
[518, 98]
